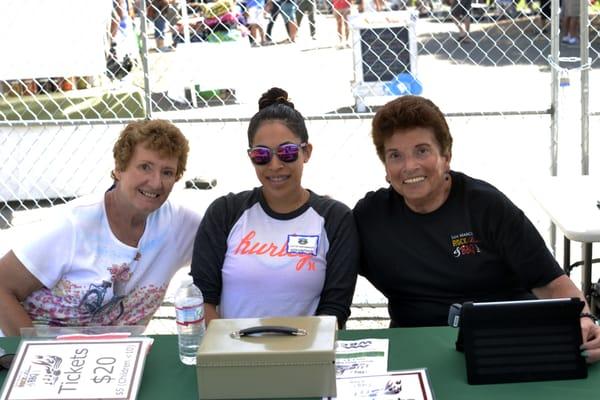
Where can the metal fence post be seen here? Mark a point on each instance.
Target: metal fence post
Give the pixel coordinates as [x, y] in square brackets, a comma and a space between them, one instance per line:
[554, 108]
[145, 67]
[584, 53]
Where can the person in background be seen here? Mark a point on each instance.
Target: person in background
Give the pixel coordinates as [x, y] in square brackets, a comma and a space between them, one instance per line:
[255, 18]
[545, 14]
[107, 258]
[278, 249]
[273, 9]
[371, 5]
[435, 236]
[571, 9]
[120, 10]
[118, 60]
[157, 11]
[307, 7]
[288, 12]
[287, 9]
[341, 10]
[460, 10]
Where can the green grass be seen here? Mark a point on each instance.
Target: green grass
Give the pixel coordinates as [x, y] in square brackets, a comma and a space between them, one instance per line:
[73, 105]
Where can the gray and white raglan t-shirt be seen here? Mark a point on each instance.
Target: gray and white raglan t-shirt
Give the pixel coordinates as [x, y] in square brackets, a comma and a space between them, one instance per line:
[254, 262]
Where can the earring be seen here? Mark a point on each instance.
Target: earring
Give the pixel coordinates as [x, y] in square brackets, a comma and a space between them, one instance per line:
[447, 176]
[387, 179]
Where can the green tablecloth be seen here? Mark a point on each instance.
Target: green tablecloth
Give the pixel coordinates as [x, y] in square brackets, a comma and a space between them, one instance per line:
[166, 378]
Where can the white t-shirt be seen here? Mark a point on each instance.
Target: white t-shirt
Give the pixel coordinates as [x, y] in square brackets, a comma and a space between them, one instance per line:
[90, 277]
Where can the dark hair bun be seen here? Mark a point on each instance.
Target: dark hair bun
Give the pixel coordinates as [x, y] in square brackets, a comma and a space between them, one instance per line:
[272, 96]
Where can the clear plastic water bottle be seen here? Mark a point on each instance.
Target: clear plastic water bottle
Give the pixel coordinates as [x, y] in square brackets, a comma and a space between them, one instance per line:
[189, 310]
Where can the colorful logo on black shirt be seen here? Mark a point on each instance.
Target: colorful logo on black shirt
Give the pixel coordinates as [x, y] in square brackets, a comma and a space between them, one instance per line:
[464, 244]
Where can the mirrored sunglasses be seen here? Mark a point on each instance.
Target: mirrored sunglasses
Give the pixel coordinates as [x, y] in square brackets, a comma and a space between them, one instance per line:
[287, 152]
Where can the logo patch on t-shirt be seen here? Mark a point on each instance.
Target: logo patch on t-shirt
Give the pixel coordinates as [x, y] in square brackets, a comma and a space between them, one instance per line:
[302, 244]
[464, 244]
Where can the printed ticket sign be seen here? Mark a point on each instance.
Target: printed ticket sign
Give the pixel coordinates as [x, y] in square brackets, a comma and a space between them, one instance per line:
[394, 385]
[77, 369]
[363, 357]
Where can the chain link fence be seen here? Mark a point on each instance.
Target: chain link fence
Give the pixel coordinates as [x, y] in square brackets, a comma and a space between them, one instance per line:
[507, 73]
[195, 61]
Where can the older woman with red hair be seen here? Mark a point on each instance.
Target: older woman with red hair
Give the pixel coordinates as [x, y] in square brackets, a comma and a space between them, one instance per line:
[105, 259]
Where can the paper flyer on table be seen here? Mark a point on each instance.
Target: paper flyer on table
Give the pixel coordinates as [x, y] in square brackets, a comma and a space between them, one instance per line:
[361, 357]
[406, 384]
[77, 369]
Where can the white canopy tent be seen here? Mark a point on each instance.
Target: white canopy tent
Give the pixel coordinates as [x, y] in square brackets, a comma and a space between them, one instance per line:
[46, 38]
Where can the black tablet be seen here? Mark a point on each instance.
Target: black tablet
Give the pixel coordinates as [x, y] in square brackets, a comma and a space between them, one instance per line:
[519, 341]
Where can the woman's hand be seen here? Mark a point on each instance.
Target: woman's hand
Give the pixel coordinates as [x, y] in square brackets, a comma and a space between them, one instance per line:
[210, 313]
[16, 283]
[591, 340]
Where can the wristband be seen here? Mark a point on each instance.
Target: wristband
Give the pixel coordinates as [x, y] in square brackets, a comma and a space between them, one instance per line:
[589, 315]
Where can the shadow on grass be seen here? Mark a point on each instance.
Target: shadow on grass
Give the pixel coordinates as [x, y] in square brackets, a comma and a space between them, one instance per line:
[213, 98]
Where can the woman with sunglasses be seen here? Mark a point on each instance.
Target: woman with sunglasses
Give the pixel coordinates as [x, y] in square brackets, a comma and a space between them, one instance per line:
[278, 249]
[106, 258]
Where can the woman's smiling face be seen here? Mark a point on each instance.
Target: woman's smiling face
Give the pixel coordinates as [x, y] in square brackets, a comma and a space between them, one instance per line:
[147, 180]
[280, 180]
[417, 169]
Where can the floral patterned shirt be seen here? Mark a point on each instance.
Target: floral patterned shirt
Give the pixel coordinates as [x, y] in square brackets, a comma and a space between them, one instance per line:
[90, 277]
